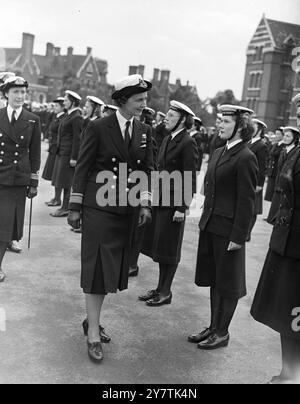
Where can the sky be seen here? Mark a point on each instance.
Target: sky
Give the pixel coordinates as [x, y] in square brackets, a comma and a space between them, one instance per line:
[203, 42]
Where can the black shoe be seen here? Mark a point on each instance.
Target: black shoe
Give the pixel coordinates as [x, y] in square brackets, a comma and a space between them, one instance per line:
[95, 351]
[78, 231]
[202, 336]
[158, 300]
[104, 337]
[133, 272]
[53, 203]
[214, 342]
[149, 295]
[13, 248]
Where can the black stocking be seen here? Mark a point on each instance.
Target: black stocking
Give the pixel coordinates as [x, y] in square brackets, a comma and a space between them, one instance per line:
[227, 308]
[167, 273]
[215, 301]
[3, 247]
[65, 204]
[58, 192]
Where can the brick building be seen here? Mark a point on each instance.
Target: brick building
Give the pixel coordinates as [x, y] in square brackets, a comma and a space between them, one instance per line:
[52, 73]
[270, 81]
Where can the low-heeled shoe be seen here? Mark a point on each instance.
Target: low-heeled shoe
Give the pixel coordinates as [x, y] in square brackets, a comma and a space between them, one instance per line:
[148, 295]
[13, 248]
[158, 300]
[95, 351]
[103, 336]
[201, 336]
[214, 342]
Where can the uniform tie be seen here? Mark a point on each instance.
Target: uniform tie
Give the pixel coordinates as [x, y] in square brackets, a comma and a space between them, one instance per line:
[127, 135]
[13, 118]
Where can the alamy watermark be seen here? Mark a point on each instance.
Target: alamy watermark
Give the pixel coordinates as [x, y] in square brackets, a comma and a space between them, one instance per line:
[2, 319]
[296, 321]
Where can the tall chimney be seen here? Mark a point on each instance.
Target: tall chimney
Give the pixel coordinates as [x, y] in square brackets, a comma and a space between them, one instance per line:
[132, 70]
[141, 70]
[165, 76]
[156, 75]
[70, 57]
[27, 46]
[88, 50]
[57, 51]
[49, 50]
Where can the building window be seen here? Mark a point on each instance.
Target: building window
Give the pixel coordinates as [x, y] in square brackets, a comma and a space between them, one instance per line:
[255, 80]
[258, 56]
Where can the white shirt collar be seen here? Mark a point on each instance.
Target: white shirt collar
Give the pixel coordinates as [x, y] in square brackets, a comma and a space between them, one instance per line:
[94, 118]
[59, 114]
[10, 112]
[122, 123]
[255, 139]
[231, 145]
[290, 147]
[193, 133]
[72, 110]
[176, 133]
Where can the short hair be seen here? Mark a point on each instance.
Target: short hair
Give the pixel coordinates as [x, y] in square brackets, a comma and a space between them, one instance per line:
[189, 121]
[73, 100]
[121, 101]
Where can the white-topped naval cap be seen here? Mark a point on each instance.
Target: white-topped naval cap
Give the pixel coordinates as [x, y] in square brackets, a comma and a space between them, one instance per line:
[258, 121]
[197, 119]
[112, 107]
[161, 114]
[94, 99]
[147, 109]
[5, 75]
[296, 100]
[179, 106]
[73, 94]
[231, 110]
[291, 128]
[130, 85]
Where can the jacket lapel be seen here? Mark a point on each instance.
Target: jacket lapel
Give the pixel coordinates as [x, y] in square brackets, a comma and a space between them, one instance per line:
[117, 138]
[225, 157]
[177, 139]
[5, 125]
[21, 124]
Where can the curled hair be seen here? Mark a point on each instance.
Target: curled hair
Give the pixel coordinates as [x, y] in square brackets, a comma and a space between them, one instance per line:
[247, 127]
[121, 101]
[74, 101]
[198, 125]
[189, 122]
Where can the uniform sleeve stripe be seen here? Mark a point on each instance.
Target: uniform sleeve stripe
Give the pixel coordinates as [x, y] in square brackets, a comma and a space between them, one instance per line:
[34, 176]
[76, 198]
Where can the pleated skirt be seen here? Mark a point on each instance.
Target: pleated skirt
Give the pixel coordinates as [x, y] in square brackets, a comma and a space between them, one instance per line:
[49, 167]
[105, 251]
[12, 212]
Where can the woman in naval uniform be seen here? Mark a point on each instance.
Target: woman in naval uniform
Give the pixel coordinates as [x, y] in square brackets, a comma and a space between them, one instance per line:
[290, 141]
[20, 153]
[93, 111]
[68, 145]
[178, 154]
[52, 136]
[230, 185]
[260, 149]
[121, 145]
[277, 300]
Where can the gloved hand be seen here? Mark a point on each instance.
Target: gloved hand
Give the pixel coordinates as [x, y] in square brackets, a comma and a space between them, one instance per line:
[145, 217]
[31, 192]
[74, 219]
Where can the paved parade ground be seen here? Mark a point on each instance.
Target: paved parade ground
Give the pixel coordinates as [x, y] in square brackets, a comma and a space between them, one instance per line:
[42, 340]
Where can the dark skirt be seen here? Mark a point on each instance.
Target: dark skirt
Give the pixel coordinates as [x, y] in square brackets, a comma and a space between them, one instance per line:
[216, 267]
[274, 207]
[278, 295]
[49, 167]
[105, 251]
[270, 189]
[163, 239]
[62, 172]
[12, 212]
[258, 210]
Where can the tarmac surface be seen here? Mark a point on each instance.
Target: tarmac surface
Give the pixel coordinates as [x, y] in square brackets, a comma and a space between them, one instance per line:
[42, 308]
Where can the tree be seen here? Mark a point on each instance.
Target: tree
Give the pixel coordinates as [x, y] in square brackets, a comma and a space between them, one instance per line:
[223, 97]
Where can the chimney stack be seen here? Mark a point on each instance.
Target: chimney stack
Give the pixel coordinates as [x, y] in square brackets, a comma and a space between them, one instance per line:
[141, 70]
[156, 75]
[70, 57]
[57, 51]
[132, 70]
[49, 50]
[27, 46]
[165, 76]
[89, 50]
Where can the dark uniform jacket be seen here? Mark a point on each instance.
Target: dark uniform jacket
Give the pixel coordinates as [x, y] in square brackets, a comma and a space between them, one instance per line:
[53, 133]
[229, 190]
[273, 160]
[260, 149]
[69, 133]
[216, 142]
[103, 149]
[179, 154]
[198, 139]
[20, 149]
[160, 132]
[286, 233]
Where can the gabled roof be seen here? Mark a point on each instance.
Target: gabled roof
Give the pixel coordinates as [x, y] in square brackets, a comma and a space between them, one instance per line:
[282, 30]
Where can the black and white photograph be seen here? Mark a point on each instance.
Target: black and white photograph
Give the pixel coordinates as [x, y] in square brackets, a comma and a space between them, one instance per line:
[150, 195]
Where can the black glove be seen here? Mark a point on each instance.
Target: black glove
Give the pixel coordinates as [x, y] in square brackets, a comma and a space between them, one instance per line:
[74, 219]
[145, 217]
[31, 192]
